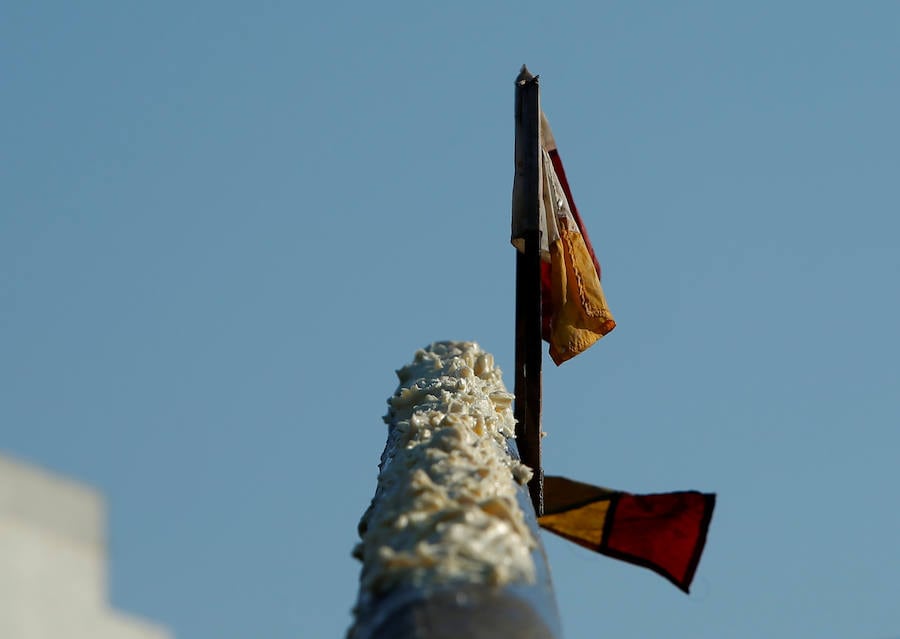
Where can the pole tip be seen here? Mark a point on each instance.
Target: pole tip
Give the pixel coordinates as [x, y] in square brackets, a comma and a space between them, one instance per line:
[525, 76]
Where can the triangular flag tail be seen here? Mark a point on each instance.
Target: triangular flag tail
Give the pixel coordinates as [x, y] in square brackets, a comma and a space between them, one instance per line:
[574, 309]
[664, 532]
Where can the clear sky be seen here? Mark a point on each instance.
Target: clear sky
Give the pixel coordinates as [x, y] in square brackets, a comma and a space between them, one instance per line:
[223, 226]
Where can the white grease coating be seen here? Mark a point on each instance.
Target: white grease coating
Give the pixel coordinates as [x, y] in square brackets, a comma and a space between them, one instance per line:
[445, 510]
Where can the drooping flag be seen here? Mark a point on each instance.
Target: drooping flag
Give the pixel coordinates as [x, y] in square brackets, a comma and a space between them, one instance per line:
[664, 532]
[574, 309]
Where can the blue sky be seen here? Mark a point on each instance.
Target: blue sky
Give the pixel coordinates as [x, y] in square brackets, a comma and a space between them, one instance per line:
[223, 226]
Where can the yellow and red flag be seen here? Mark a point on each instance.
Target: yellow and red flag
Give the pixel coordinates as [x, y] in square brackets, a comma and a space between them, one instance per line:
[664, 532]
[574, 309]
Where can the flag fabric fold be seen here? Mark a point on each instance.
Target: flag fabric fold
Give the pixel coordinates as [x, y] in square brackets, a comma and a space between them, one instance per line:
[664, 532]
[575, 313]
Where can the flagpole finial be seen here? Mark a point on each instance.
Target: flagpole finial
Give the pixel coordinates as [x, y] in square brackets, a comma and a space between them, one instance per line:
[525, 76]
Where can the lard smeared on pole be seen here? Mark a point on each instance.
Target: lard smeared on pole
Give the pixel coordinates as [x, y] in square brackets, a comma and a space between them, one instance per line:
[445, 511]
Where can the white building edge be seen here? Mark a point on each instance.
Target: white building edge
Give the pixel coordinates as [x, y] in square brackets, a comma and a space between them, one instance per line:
[53, 576]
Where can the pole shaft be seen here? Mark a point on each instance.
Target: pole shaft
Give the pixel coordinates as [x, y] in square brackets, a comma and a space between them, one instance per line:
[528, 282]
[450, 544]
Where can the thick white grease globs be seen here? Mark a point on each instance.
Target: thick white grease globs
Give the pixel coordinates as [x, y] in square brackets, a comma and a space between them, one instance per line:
[445, 510]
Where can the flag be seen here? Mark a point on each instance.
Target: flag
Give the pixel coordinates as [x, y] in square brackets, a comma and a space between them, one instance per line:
[664, 532]
[574, 309]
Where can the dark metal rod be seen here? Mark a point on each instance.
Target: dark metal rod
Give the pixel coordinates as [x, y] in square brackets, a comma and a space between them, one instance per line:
[528, 283]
